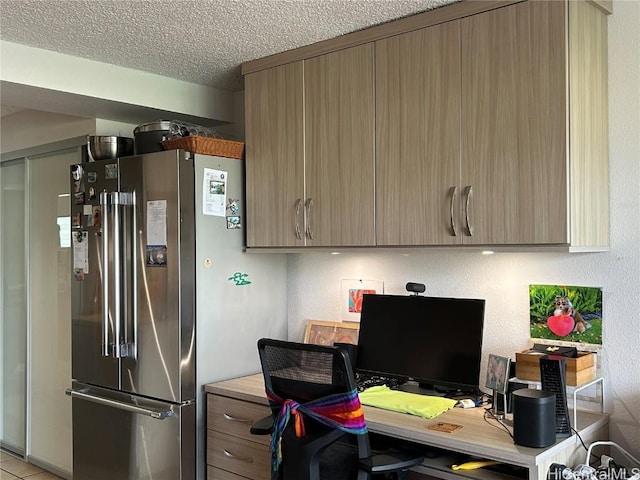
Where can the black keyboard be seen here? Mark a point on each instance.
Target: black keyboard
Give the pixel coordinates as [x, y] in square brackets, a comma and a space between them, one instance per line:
[553, 378]
[365, 381]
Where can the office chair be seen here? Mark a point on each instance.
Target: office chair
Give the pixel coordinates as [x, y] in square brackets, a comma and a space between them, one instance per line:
[317, 426]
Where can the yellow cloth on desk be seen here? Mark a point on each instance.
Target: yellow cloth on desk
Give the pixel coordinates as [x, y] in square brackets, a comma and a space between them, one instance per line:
[421, 405]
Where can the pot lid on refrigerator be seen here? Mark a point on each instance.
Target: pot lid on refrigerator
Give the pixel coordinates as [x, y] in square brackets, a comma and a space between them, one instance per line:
[160, 125]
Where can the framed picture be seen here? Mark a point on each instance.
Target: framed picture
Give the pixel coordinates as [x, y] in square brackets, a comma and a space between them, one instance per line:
[566, 313]
[498, 373]
[324, 332]
[352, 291]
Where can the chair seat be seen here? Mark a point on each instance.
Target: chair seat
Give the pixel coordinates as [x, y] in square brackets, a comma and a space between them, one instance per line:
[339, 461]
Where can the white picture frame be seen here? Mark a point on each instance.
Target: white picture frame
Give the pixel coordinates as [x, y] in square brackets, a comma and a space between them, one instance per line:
[351, 292]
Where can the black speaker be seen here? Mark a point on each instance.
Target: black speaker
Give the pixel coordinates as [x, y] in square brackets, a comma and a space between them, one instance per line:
[534, 418]
[499, 406]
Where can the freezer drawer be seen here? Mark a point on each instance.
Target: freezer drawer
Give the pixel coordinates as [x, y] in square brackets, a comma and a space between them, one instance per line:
[119, 436]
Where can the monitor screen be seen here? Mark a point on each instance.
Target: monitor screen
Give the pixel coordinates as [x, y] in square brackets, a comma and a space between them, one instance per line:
[434, 341]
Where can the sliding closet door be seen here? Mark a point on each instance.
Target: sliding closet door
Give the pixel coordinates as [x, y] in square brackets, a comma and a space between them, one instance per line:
[13, 307]
[50, 310]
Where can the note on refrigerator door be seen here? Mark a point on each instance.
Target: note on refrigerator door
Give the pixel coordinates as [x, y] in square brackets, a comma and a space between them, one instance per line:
[214, 192]
[80, 254]
[156, 233]
[157, 222]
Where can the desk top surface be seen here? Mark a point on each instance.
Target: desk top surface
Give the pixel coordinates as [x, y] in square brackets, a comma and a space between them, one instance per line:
[477, 437]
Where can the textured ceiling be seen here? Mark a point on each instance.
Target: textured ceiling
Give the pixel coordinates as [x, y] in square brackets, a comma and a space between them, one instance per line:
[199, 41]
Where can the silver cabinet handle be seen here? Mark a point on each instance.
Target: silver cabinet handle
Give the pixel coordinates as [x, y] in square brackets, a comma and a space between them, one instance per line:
[157, 414]
[227, 453]
[236, 419]
[452, 216]
[468, 191]
[298, 232]
[308, 204]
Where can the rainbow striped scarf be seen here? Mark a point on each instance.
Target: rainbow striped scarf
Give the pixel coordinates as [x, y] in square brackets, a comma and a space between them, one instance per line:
[342, 411]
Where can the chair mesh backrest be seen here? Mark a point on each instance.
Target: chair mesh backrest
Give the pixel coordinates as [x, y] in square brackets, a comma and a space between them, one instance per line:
[304, 372]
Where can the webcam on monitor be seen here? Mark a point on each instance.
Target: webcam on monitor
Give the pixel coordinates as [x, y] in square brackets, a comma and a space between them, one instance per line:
[416, 288]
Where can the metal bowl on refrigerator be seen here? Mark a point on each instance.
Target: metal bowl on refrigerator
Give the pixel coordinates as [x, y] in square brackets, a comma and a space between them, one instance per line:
[105, 147]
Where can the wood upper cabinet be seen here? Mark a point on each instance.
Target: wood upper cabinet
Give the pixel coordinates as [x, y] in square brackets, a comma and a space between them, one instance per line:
[588, 125]
[339, 148]
[310, 152]
[275, 156]
[514, 155]
[418, 137]
[470, 136]
[480, 140]
[534, 125]
[483, 127]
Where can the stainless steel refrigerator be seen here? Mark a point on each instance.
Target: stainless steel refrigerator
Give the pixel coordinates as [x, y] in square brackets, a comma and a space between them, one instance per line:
[164, 301]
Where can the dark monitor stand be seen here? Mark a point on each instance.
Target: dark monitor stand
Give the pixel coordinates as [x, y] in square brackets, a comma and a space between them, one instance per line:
[422, 389]
[439, 391]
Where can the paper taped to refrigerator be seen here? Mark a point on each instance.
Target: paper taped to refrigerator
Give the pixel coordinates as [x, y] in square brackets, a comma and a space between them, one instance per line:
[157, 222]
[80, 252]
[214, 192]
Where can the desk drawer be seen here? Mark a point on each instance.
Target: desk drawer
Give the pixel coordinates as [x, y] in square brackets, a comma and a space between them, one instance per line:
[235, 417]
[244, 458]
[214, 473]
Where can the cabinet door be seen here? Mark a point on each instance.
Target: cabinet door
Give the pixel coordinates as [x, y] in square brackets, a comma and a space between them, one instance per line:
[418, 137]
[339, 148]
[513, 125]
[274, 156]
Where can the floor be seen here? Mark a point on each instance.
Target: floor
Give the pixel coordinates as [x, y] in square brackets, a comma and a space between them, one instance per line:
[12, 468]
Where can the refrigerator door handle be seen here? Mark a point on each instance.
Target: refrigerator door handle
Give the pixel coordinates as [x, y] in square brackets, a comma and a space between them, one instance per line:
[132, 315]
[117, 274]
[157, 414]
[118, 286]
[105, 202]
[123, 261]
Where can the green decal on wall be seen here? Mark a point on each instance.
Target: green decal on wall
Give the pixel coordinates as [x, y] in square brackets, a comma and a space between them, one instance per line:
[240, 279]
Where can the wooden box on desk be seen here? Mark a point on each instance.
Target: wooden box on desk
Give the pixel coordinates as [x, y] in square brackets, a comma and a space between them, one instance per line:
[579, 370]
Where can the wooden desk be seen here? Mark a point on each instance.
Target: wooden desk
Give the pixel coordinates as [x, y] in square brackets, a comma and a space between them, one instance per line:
[477, 437]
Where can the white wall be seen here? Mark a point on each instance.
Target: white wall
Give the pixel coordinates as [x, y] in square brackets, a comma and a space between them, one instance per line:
[28, 128]
[94, 89]
[503, 279]
[235, 130]
[109, 127]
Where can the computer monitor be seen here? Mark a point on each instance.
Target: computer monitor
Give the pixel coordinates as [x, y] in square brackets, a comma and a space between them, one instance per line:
[434, 341]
